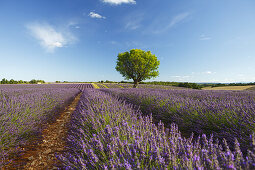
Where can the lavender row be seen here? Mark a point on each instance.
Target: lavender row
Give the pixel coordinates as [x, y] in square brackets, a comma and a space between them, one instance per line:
[226, 114]
[24, 110]
[107, 133]
[80, 86]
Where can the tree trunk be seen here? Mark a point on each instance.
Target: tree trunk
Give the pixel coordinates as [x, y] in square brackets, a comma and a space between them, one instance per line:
[135, 84]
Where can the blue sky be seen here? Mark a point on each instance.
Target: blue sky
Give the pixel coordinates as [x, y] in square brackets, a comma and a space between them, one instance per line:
[79, 40]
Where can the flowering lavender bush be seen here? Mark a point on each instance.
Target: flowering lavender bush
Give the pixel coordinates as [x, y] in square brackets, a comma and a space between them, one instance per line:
[225, 114]
[23, 110]
[107, 133]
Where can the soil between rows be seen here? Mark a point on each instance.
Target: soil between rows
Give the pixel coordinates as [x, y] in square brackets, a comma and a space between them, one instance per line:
[41, 154]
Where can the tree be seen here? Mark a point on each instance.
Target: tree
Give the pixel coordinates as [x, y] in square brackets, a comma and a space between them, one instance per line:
[12, 81]
[138, 65]
[4, 81]
[40, 81]
[33, 81]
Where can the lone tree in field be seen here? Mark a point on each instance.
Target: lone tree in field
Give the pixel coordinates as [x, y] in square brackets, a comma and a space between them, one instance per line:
[138, 65]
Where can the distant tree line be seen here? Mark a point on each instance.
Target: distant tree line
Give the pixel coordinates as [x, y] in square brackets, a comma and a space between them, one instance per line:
[62, 82]
[165, 83]
[178, 84]
[108, 81]
[232, 84]
[12, 81]
[196, 85]
[190, 85]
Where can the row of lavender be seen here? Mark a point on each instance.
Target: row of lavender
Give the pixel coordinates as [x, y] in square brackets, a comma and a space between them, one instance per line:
[25, 108]
[107, 133]
[225, 114]
[80, 86]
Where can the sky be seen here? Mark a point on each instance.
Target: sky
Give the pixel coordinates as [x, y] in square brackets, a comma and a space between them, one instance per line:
[79, 40]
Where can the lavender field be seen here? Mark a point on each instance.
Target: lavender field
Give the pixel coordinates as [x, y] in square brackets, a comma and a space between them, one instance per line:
[25, 108]
[225, 114]
[144, 128]
[107, 132]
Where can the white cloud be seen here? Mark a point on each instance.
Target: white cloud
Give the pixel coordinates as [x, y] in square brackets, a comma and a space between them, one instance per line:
[178, 18]
[204, 37]
[114, 42]
[135, 44]
[209, 72]
[48, 37]
[176, 76]
[119, 2]
[73, 24]
[182, 78]
[133, 21]
[96, 15]
[195, 77]
[132, 25]
[57, 44]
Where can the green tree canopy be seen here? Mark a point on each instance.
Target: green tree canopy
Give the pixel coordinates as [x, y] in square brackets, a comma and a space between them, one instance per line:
[33, 81]
[138, 65]
[13, 81]
[4, 81]
[20, 82]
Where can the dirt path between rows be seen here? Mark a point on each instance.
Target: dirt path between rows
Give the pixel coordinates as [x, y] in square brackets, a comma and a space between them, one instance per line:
[42, 155]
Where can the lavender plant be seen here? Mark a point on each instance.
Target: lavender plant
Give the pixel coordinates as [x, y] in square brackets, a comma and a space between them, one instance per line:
[107, 133]
[24, 110]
